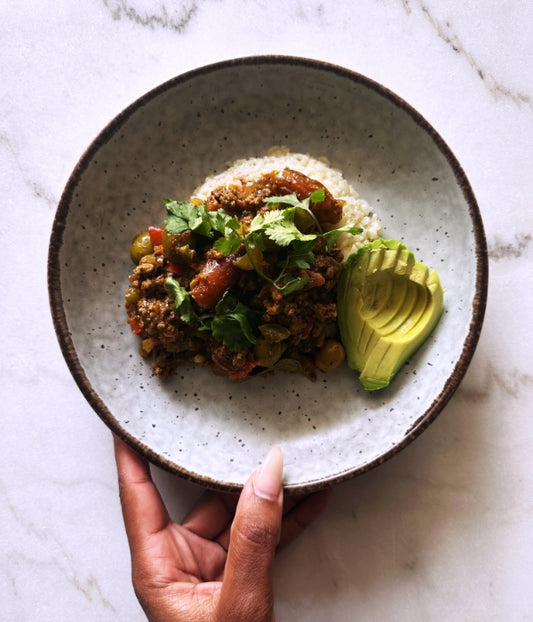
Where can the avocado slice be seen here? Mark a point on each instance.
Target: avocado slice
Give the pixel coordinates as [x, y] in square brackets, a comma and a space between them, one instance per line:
[388, 303]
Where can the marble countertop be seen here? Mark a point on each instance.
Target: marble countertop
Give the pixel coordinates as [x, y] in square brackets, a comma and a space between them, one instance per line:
[444, 531]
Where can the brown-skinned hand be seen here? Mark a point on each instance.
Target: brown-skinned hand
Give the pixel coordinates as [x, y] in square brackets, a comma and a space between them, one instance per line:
[217, 565]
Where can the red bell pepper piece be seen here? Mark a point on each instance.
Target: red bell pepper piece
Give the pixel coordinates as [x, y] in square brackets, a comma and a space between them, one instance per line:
[308, 327]
[135, 327]
[156, 235]
[175, 268]
[244, 372]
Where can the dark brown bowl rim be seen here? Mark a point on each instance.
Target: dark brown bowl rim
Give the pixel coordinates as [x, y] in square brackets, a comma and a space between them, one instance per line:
[59, 315]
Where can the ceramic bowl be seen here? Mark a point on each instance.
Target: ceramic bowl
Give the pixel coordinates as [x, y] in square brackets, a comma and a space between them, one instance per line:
[209, 429]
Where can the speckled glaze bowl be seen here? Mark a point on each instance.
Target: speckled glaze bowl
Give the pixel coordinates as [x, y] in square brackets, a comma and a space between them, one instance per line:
[206, 428]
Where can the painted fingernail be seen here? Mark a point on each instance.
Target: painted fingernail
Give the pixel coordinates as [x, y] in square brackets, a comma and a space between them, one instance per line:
[267, 479]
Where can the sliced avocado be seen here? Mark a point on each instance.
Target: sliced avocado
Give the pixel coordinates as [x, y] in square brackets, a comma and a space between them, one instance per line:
[388, 303]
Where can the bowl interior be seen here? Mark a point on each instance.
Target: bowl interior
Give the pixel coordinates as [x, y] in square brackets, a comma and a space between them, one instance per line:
[207, 428]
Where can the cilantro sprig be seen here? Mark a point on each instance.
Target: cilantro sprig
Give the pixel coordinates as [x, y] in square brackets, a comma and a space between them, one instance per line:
[183, 306]
[232, 322]
[316, 197]
[184, 215]
[292, 200]
[278, 224]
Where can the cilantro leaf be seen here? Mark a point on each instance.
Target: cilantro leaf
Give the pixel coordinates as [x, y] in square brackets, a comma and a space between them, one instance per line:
[229, 245]
[233, 323]
[302, 262]
[285, 232]
[293, 284]
[255, 240]
[317, 196]
[302, 255]
[261, 222]
[182, 301]
[288, 199]
[295, 203]
[331, 236]
[221, 221]
[184, 215]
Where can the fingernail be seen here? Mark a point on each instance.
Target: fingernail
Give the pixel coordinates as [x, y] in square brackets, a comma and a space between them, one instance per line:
[267, 479]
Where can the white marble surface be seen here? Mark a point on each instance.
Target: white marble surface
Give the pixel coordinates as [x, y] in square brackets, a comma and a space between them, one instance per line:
[442, 532]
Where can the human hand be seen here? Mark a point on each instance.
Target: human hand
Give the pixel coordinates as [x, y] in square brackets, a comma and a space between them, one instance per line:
[217, 565]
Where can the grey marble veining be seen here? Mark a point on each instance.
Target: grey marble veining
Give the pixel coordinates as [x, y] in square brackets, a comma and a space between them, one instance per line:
[176, 18]
[445, 28]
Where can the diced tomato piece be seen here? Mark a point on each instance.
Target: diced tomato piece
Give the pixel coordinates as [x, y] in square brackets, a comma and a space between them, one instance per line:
[175, 268]
[156, 235]
[244, 372]
[308, 327]
[217, 276]
[135, 326]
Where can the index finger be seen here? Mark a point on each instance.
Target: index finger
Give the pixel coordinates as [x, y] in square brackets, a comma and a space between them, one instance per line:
[142, 507]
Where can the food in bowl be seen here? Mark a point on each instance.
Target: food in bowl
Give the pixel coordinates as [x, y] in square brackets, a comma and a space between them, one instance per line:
[243, 277]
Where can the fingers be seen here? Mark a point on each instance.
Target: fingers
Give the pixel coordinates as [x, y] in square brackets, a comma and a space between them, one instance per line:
[142, 507]
[247, 592]
[211, 515]
[302, 514]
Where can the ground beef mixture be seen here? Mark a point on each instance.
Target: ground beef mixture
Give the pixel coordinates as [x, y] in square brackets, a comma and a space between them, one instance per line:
[294, 332]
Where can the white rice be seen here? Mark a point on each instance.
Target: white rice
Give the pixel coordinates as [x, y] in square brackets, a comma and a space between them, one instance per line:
[356, 211]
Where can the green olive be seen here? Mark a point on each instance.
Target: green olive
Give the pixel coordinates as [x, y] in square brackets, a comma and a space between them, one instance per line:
[179, 247]
[132, 295]
[251, 258]
[331, 356]
[289, 366]
[304, 221]
[274, 333]
[267, 353]
[141, 246]
[269, 245]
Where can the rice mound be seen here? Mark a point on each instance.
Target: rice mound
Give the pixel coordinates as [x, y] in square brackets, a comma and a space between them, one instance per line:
[356, 211]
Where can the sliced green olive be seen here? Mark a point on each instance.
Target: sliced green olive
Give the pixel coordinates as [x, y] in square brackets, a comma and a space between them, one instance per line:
[132, 295]
[141, 246]
[331, 356]
[267, 353]
[269, 245]
[274, 333]
[304, 221]
[179, 247]
[248, 261]
[289, 366]
[184, 255]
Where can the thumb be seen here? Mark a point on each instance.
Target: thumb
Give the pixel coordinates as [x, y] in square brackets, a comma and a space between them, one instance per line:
[247, 591]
